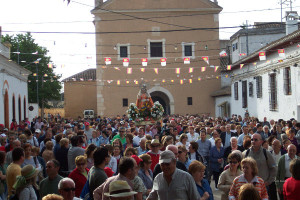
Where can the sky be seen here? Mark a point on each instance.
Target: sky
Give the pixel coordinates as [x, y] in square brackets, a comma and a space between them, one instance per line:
[73, 53]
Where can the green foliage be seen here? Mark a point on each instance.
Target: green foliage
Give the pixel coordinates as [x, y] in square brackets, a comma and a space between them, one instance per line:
[48, 90]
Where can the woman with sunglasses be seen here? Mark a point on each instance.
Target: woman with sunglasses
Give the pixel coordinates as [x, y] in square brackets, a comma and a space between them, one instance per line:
[227, 176]
[79, 174]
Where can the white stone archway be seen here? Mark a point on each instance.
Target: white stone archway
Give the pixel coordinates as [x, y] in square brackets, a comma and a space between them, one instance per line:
[158, 88]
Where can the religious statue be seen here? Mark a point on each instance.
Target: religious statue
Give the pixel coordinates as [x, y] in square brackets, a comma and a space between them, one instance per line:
[144, 99]
[145, 111]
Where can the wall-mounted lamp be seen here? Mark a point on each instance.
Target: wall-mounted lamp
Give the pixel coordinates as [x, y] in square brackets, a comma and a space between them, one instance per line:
[295, 65]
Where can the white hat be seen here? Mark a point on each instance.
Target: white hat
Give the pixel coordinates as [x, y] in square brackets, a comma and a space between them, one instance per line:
[166, 157]
[119, 189]
[37, 131]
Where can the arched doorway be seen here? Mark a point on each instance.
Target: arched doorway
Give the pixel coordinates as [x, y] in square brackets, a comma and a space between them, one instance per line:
[19, 109]
[6, 110]
[25, 107]
[14, 106]
[163, 96]
[163, 99]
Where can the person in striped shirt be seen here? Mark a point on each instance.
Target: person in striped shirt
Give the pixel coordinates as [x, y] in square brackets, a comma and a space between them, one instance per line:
[249, 175]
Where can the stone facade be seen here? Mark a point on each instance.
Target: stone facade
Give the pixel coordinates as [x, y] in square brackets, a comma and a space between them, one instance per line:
[118, 23]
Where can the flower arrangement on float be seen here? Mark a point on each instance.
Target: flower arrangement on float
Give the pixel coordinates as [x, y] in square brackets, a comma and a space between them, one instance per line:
[146, 114]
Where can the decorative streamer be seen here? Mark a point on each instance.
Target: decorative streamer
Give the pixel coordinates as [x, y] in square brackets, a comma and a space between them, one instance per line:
[203, 69]
[262, 55]
[163, 62]
[241, 66]
[191, 80]
[216, 68]
[228, 67]
[281, 53]
[50, 66]
[191, 70]
[107, 61]
[181, 81]
[177, 71]
[142, 69]
[129, 70]
[156, 70]
[187, 60]
[125, 62]
[144, 62]
[206, 59]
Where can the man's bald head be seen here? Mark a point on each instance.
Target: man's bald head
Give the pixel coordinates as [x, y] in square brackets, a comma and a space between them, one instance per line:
[292, 146]
[258, 136]
[173, 148]
[16, 143]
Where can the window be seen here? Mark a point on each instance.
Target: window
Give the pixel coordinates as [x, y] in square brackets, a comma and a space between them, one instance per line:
[125, 102]
[188, 50]
[234, 46]
[156, 49]
[244, 94]
[123, 52]
[259, 87]
[273, 92]
[236, 91]
[190, 101]
[250, 89]
[287, 81]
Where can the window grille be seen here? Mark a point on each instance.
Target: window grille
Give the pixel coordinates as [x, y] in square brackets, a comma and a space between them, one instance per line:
[236, 91]
[287, 81]
[259, 87]
[244, 94]
[250, 89]
[272, 92]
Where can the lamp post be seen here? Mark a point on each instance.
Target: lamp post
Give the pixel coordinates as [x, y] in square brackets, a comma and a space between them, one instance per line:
[37, 80]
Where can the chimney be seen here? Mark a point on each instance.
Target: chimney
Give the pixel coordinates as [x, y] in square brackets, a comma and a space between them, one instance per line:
[98, 3]
[291, 23]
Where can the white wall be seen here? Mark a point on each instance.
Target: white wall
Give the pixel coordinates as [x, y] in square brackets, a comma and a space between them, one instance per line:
[16, 87]
[220, 100]
[259, 107]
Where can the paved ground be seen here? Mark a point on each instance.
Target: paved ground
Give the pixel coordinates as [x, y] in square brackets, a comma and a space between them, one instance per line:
[217, 193]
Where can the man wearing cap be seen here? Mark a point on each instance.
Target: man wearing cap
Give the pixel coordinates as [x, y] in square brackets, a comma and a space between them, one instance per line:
[120, 135]
[172, 183]
[87, 130]
[120, 190]
[154, 152]
[179, 165]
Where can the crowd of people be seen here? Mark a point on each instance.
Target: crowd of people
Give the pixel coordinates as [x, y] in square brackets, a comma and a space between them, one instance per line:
[179, 157]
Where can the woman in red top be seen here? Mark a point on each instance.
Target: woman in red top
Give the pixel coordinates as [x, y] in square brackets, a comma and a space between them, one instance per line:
[291, 187]
[154, 152]
[79, 174]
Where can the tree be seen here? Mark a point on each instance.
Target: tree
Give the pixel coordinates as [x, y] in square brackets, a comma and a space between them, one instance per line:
[24, 48]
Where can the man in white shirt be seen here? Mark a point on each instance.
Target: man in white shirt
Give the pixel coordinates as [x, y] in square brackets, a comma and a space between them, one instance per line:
[137, 139]
[276, 153]
[192, 136]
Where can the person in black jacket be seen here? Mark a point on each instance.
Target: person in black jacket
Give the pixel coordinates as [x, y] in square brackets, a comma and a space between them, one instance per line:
[233, 146]
[193, 153]
[225, 136]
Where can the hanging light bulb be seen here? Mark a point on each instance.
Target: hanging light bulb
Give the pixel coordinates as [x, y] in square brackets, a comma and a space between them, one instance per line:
[145, 47]
[115, 47]
[175, 47]
[206, 47]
